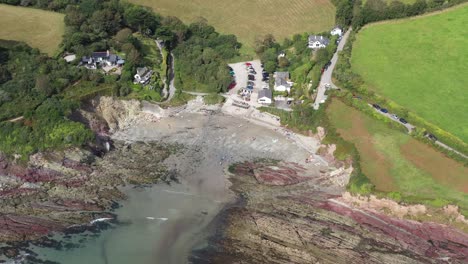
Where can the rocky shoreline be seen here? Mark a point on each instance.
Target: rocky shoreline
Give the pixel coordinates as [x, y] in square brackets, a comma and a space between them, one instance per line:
[290, 206]
[64, 191]
[306, 222]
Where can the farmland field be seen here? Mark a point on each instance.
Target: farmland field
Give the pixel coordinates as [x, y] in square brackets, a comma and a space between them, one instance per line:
[421, 65]
[395, 162]
[38, 28]
[248, 18]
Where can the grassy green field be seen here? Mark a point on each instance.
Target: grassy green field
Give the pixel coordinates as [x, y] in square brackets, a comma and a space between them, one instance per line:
[421, 65]
[39, 29]
[395, 162]
[248, 18]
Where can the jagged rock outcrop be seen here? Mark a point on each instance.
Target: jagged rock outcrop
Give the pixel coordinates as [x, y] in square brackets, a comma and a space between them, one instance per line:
[308, 223]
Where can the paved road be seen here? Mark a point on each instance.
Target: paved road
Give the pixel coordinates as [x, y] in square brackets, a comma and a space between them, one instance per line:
[327, 75]
[327, 79]
[170, 61]
[408, 126]
[172, 89]
[164, 91]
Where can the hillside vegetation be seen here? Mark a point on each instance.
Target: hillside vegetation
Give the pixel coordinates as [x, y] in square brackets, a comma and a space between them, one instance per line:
[421, 65]
[248, 19]
[38, 28]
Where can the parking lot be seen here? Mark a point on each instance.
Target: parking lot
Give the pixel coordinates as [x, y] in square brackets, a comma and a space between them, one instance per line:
[241, 74]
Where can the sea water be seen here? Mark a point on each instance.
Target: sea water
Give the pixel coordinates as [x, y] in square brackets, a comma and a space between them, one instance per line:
[160, 224]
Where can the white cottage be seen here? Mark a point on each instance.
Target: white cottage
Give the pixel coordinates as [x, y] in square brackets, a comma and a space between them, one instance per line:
[336, 31]
[318, 42]
[264, 96]
[282, 82]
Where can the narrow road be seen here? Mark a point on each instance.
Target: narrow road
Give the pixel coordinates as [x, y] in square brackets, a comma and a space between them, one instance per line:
[164, 91]
[327, 74]
[408, 126]
[170, 63]
[172, 89]
[327, 79]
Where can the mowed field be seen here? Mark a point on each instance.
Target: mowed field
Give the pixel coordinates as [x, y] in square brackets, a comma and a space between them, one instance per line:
[248, 18]
[39, 29]
[421, 64]
[395, 162]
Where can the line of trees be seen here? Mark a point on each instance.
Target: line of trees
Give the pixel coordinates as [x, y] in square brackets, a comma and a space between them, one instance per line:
[359, 13]
[35, 86]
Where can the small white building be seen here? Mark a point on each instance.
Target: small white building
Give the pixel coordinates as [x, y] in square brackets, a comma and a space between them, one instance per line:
[264, 96]
[143, 75]
[336, 31]
[282, 82]
[318, 42]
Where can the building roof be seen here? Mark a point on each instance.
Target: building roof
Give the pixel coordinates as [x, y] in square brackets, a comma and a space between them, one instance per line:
[120, 61]
[323, 40]
[113, 58]
[265, 93]
[141, 71]
[281, 78]
[99, 54]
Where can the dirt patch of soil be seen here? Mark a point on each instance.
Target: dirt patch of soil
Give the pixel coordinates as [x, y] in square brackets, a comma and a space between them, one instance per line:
[374, 164]
[444, 170]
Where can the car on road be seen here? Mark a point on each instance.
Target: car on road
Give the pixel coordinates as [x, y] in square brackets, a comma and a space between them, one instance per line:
[384, 110]
[395, 117]
[376, 106]
[403, 121]
[232, 85]
[432, 137]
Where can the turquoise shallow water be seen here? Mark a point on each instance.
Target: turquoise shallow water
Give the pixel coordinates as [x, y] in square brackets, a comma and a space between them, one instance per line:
[162, 224]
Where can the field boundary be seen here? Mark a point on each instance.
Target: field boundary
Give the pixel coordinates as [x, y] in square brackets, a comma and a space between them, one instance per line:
[428, 14]
[356, 85]
[38, 28]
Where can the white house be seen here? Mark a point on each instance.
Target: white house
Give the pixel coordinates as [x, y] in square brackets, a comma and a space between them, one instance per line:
[282, 82]
[101, 58]
[336, 31]
[143, 75]
[318, 42]
[264, 96]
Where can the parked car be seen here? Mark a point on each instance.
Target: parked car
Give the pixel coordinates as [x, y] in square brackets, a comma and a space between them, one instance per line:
[250, 83]
[265, 79]
[384, 110]
[403, 121]
[250, 87]
[395, 117]
[251, 78]
[431, 136]
[265, 74]
[248, 64]
[376, 106]
[232, 85]
[252, 72]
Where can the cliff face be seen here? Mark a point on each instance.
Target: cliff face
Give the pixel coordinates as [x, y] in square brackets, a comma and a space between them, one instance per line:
[58, 189]
[307, 222]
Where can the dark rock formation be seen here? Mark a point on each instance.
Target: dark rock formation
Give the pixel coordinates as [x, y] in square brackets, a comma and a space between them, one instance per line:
[304, 223]
[58, 190]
